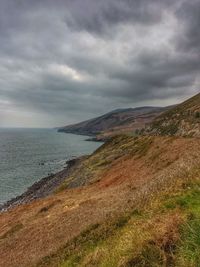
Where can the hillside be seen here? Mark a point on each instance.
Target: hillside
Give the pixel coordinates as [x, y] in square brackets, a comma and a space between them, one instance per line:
[138, 206]
[182, 120]
[115, 122]
[134, 202]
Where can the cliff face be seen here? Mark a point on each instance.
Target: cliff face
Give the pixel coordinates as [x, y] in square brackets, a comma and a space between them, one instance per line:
[121, 120]
[182, 120]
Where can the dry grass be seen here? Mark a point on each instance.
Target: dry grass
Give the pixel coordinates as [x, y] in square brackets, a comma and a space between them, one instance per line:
[183, 120]
[125, 174]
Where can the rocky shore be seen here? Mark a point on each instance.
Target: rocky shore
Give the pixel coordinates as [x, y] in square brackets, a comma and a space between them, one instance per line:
[45, 187]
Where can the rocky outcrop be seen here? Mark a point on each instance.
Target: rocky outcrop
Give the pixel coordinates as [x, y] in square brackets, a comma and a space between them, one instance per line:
[45, 186]
[183, 120]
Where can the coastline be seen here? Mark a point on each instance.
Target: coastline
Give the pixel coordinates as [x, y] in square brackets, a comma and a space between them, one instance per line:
[44, 187]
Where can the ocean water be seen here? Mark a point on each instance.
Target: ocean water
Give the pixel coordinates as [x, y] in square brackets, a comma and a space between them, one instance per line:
[27, 155]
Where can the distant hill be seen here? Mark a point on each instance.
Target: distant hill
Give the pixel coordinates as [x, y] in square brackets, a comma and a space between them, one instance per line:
[182, 120]
[134, 201]
[117, 121]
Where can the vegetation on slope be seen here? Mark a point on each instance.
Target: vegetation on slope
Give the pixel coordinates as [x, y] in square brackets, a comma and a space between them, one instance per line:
[94, 167]
[115, 122]
[164, 233]
[182, 120]
[137, 205]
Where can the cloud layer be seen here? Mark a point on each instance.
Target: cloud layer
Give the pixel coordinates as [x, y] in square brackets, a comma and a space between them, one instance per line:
[65, 61]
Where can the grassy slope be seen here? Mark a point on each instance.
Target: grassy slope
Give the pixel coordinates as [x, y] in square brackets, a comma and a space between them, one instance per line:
[183, 120]
[113, 123]
[165, 233]
[132, 210]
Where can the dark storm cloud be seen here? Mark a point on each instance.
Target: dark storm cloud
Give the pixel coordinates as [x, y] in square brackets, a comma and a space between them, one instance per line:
[96, 16]
[189, 15]
[65, 61]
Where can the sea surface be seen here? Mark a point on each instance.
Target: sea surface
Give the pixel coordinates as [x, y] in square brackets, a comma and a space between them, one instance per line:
[27, 155]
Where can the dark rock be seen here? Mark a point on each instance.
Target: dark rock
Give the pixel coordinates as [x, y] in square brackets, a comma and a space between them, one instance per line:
[43, 188]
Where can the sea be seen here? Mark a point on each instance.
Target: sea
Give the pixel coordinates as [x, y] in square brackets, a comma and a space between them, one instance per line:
[27, 155]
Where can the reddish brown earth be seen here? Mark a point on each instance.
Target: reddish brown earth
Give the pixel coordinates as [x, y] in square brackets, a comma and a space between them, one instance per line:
[141, 168]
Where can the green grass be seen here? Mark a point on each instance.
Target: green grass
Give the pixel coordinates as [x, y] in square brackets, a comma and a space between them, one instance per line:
[188, 254]
[75, 251]
[188, 249]
[112, 245]
[135, 240]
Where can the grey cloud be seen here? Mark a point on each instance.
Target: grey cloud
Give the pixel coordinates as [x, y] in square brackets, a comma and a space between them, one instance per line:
[189, 18]
[96, 16]
[66, 61]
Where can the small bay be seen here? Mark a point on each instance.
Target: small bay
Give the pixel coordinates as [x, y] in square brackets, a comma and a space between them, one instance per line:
[27, 155]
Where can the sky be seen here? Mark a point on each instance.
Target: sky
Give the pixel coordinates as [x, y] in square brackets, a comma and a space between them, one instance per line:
[65, 61]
